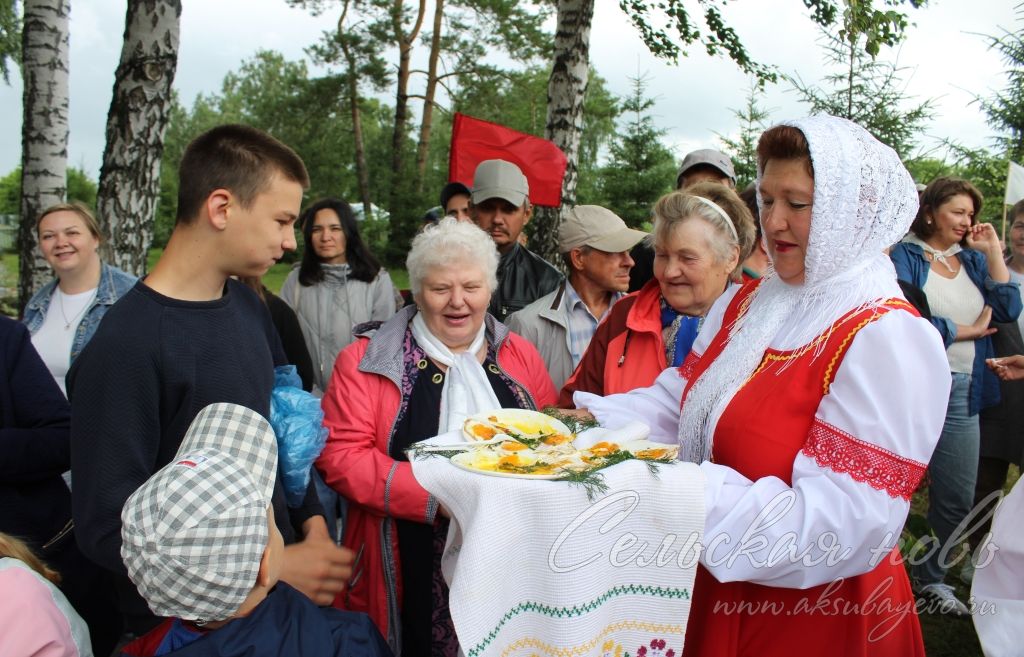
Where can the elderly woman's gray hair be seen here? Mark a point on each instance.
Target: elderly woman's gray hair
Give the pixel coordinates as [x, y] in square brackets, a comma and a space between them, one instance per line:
[451, 242]
[733, 224]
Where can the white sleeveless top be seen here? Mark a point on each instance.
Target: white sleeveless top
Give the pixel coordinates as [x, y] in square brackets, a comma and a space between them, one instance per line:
[959, 300]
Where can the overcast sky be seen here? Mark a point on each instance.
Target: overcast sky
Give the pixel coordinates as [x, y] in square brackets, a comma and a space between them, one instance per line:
[946, 56]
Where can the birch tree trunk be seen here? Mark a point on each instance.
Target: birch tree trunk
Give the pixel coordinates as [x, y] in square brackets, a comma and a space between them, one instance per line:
[44, 132]
[139, 110]
[567, 88]
[423, 147]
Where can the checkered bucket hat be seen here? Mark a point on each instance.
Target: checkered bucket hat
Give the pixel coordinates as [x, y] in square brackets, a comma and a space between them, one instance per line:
[193, 535]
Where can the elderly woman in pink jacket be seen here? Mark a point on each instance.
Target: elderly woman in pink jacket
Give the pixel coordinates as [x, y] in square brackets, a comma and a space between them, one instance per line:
[419, 374]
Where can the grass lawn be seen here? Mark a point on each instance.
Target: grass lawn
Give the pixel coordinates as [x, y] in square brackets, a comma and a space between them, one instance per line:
[947, 636]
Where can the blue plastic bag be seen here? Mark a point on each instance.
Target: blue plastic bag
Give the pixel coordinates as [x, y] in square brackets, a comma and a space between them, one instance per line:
[298, 422]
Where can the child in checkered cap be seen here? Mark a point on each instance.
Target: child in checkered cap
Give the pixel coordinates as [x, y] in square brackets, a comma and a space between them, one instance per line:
[201, 545]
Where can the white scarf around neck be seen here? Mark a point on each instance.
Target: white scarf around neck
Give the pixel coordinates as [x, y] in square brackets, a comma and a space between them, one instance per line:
[940, 256]
[466, 389]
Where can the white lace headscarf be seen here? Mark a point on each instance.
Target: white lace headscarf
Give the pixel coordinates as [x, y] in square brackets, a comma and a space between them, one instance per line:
[864, 201]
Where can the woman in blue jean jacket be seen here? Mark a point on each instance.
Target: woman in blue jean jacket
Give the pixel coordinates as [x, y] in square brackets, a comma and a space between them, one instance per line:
[945, 241]
[63, 315]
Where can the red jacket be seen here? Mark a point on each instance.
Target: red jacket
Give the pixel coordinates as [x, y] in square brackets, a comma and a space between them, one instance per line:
[369, 386]
[627, 350]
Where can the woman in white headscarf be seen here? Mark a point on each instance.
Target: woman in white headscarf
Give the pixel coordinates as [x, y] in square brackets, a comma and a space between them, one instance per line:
[419, 374]
[812, 399]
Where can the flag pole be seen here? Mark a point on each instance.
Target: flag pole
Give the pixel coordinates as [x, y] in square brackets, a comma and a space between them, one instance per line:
[1004, 223]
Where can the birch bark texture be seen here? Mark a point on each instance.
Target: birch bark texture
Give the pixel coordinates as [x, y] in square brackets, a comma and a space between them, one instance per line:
[44, 131]
[567, 89]
[129, 184]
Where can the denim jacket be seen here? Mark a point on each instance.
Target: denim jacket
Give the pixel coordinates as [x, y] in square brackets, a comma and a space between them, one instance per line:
[1003, 298]
[113, 284]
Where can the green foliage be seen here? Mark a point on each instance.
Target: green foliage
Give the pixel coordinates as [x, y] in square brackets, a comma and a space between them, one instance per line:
[640, 168]
[863, 89]
[80, 188]
[1005, 108]
[926, 169]
[10, 37]
[278, 96]
[10, 193]
[752, 120]
[880, 27]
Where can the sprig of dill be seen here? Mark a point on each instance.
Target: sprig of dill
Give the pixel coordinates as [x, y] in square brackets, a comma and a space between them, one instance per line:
[575, 424]
[419, 451]
[592, 479]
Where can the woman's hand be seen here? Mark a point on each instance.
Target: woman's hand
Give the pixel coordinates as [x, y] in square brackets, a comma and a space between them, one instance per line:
[1010, 368]
[979, 329]
[983, 237]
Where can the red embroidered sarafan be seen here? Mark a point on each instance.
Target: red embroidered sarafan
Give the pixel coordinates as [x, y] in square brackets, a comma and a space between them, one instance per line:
[768, 422]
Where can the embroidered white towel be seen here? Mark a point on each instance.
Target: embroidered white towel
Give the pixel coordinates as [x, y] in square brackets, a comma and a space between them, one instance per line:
[536, 568]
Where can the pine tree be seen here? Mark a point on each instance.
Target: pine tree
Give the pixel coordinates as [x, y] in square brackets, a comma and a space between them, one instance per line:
[752, 120]
[1005, 109]
[640, 168]
[864, 89]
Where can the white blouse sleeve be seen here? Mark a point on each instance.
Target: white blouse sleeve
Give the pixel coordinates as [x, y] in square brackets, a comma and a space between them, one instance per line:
[658, 405]
[868, 448]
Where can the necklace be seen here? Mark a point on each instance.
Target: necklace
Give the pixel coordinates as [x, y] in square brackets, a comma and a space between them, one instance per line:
[76, 316]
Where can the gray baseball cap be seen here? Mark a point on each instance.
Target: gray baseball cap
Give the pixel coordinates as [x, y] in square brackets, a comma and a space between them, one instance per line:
[707, 157]
[598, 228]
[193, 535]
[500, 179]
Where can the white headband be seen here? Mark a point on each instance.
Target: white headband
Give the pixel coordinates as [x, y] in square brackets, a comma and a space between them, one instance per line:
[717, 208]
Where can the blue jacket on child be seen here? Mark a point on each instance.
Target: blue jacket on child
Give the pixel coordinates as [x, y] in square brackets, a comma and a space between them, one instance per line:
[285, 624]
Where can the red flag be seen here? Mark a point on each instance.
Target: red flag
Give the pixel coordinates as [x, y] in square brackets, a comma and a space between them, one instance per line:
[474, 141]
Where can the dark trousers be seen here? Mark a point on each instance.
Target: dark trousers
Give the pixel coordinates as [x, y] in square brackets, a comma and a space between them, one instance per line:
[89, 590]
[991, 477]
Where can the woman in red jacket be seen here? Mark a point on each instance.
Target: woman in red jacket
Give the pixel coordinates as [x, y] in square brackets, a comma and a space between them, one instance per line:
[701, 237]
[419, 374]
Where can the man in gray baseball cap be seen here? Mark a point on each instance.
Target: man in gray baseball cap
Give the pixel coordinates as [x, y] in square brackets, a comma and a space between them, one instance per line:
[706, 164]
[500, 205]
[594, 243]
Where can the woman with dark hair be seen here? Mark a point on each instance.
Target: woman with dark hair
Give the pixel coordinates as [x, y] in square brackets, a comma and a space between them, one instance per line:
[958, 264]
[338, 285]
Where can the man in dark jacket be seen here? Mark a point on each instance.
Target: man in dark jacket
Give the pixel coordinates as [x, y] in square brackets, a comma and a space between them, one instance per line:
[500, 204]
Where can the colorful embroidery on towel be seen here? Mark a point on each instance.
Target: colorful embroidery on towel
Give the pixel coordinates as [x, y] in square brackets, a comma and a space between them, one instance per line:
[658, 647]
[577, 610]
